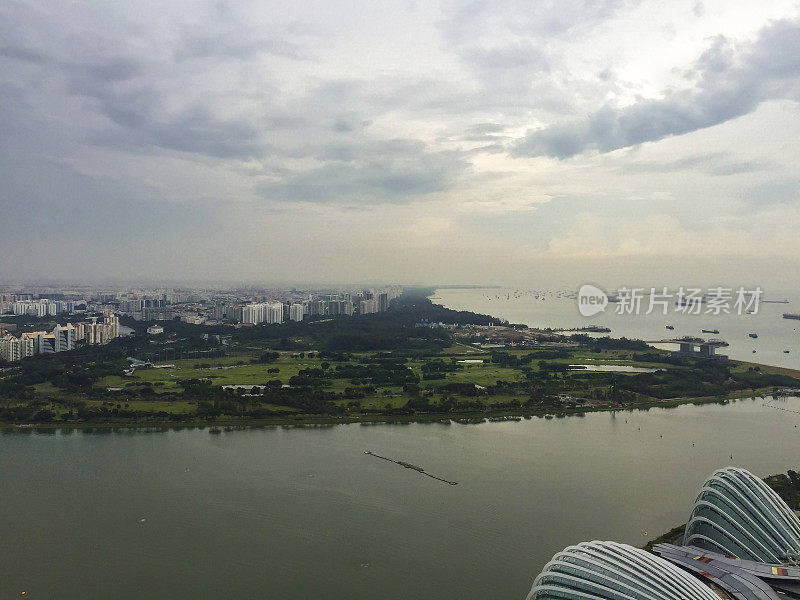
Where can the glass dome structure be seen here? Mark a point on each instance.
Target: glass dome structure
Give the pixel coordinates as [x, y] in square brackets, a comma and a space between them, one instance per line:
[736, 513]
[612, 571]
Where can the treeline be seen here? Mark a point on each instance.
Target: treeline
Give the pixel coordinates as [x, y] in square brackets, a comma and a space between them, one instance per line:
[393, 329]
[412, 308]
[702, 378]
[608, 343]
[74, 371]
[787, 486]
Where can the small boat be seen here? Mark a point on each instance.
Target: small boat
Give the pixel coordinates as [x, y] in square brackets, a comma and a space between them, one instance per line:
[670, 327]
[715, 331]
[786, 352]
[753, 335]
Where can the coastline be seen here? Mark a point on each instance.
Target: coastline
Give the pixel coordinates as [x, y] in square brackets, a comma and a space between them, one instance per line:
[556, 309]
[313, 420]
[176, 408]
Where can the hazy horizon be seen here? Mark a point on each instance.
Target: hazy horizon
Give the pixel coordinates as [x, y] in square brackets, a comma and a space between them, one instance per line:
[495, 143]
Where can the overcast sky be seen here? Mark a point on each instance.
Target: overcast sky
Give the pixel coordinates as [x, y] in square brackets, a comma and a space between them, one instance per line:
[526, 143]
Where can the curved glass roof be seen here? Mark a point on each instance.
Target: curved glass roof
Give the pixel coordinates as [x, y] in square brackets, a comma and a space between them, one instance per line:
[736, 513]
[612, 571]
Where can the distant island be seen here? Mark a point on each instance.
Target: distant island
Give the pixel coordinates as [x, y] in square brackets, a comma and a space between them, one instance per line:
[415, 361]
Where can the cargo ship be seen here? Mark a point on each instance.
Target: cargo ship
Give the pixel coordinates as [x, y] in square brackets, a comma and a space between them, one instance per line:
[715, 331]
[791, 316]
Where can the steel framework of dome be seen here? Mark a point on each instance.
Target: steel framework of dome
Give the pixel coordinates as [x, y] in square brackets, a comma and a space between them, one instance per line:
[736, 513]
[612, 571]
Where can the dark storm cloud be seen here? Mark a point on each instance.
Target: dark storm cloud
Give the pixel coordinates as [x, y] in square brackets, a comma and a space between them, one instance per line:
[728, 82]
[21, 53]
[233, 40]
[194, 129]
[395, 171]
[154, 89]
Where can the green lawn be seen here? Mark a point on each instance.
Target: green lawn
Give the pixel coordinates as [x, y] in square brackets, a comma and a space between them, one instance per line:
[228, 371]
[239, 370]
[224, 372]
[177, 406]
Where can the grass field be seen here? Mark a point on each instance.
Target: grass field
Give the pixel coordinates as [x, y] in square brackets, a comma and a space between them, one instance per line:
[241, 371]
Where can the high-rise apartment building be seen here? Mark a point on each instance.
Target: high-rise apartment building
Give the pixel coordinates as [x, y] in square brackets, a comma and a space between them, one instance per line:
[13, 349]
[296, 312]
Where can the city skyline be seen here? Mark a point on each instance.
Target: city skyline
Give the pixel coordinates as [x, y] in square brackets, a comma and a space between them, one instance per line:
[445, 142]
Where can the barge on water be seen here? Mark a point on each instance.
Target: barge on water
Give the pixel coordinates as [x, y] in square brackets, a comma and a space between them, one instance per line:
[408, 465]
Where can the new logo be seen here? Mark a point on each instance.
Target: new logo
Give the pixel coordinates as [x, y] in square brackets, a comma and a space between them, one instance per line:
[591, 300]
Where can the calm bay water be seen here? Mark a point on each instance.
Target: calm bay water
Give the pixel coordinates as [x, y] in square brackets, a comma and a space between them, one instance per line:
[302, 512]
[775, 334]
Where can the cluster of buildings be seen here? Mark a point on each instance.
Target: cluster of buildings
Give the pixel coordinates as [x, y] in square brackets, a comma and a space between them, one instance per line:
[246, 305]
[297, 309]
[14, 348]
[42, 308]
[742, 542]
[262, 312]
[250, 307]
[25, 304]
[239, 307]
[146, 308]
[61, 339]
